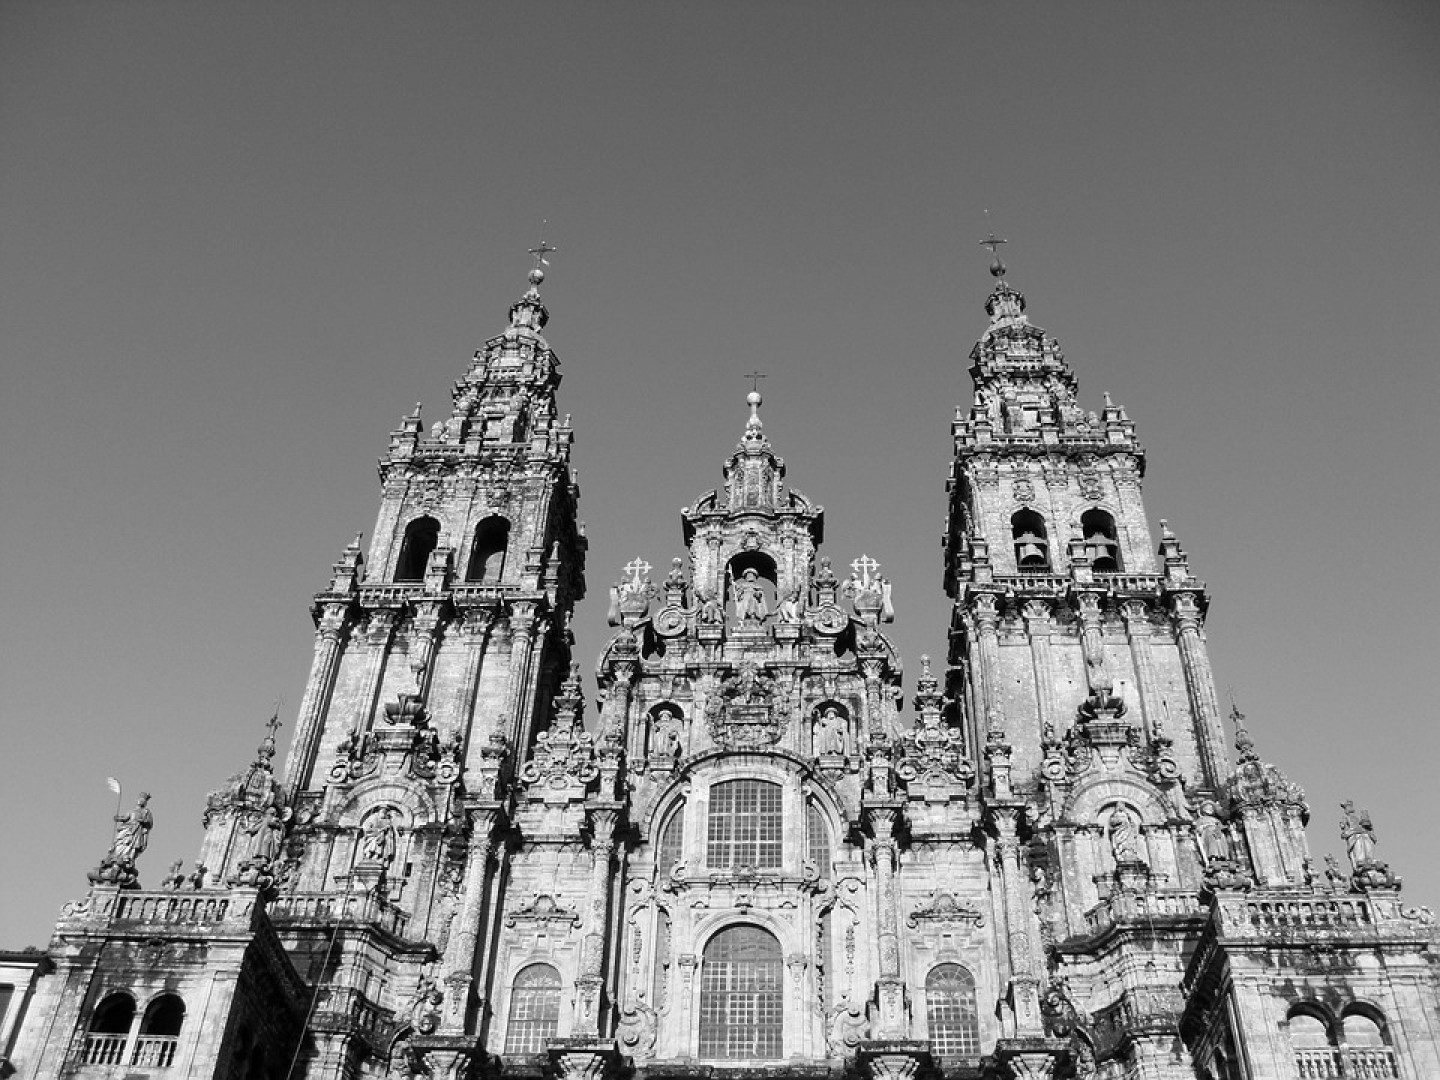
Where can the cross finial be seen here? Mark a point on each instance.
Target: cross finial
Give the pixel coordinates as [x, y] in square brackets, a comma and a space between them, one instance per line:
[755, 377]
[997, 268]
[637, 568]
[864, 568]
[537, 273]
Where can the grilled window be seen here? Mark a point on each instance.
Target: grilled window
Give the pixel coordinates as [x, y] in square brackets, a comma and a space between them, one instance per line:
[950, 1012]
[534, 1009]
[744, 825]
[741, 982]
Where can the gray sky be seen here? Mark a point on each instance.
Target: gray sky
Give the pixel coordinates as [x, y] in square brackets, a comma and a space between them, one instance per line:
[239, 241]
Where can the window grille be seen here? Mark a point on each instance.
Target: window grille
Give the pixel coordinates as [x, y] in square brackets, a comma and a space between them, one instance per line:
[534, 1010]
[671, 842]
[950, 1012]
[817, 840]
[744, 826]
[741, 984]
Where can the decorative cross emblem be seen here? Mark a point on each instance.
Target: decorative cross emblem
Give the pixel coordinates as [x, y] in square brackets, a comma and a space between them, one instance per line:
[755, 377]
[993, 244]
[637, 568]
[545, 249]
[865, 568]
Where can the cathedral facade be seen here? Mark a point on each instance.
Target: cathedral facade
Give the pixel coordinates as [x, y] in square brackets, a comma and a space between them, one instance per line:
[749, 858]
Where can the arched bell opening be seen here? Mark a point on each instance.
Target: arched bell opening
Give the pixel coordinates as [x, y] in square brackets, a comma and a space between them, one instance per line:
[1032, 542]
[487, 551]
[1102, 548]
[422, 536]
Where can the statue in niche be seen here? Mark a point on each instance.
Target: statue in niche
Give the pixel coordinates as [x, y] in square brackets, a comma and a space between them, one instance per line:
[749, 597]
[667, 726]
[829, 732]
[377, 845]
[1210, 834]
[265, 836]
[1124, 836]
[1358, 834]
[132, 831]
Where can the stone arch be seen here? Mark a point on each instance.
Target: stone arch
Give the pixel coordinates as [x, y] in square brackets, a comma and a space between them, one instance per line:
[1101, 539]
[1086, 801]
[422, 536]
[489, 545]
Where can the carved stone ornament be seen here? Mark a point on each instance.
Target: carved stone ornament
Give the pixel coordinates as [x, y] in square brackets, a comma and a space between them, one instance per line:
[745, 710]
[945, 907]
[544, 911]
[1023, 489]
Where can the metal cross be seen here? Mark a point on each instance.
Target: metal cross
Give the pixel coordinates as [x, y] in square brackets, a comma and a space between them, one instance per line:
[993, 244]
[755, 377]
[637, 568]
[540, 253]
[864, 567]
[274, 722]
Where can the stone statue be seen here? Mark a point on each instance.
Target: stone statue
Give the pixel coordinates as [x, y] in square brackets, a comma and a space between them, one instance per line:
[377, 845]
[1210, 834]
[1124, 836]
[265, 836]
[790, 609]
[749, 597]
[425, 1005]
[132, 831]
[830, 732]
[709, 612]
[1358, 834]
[1334, 876]
[175, 879]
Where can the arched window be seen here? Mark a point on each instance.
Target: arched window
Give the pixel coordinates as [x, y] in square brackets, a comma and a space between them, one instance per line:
[159, 1032]
[534, 1009]
[950, 1012]
[672, 842]
[487, 552]
[109, 1030]
[741, 983]
[421, 538]
[1365, 1045]
[1313, 1043]
[1101, 548]
[744, 828]
[817, 840]
[1032, 544]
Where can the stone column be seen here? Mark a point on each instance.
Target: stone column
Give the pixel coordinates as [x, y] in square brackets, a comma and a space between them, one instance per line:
[1037, 628]
[474, 626]
[687, 963]
[985, 611]
[1020, 936]
[379, 638]
[522, 640]
[459, 962]
[1185, 610]
[1137, 627]
[891, 985]
[590, 983]
[309, 726]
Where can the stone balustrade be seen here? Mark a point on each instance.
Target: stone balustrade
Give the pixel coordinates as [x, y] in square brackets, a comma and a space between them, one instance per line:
[1345, 1062]
[326, 909]
[1127, 907]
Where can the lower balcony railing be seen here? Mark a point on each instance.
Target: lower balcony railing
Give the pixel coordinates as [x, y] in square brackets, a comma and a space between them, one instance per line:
[1349, 1063]
[103, 1049]
[155, 1051]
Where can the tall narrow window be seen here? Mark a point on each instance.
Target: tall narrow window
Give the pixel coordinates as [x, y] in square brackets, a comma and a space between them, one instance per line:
[671, 842]
[421, 538]
[159, 1033]
[1103, 550]
[1365, 1046]
[1032, 544]
[950, 1012]
[487, 551]
[744, 827]
[534, 1009]
[817, 840]
[109, 1031]
[741, 984]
